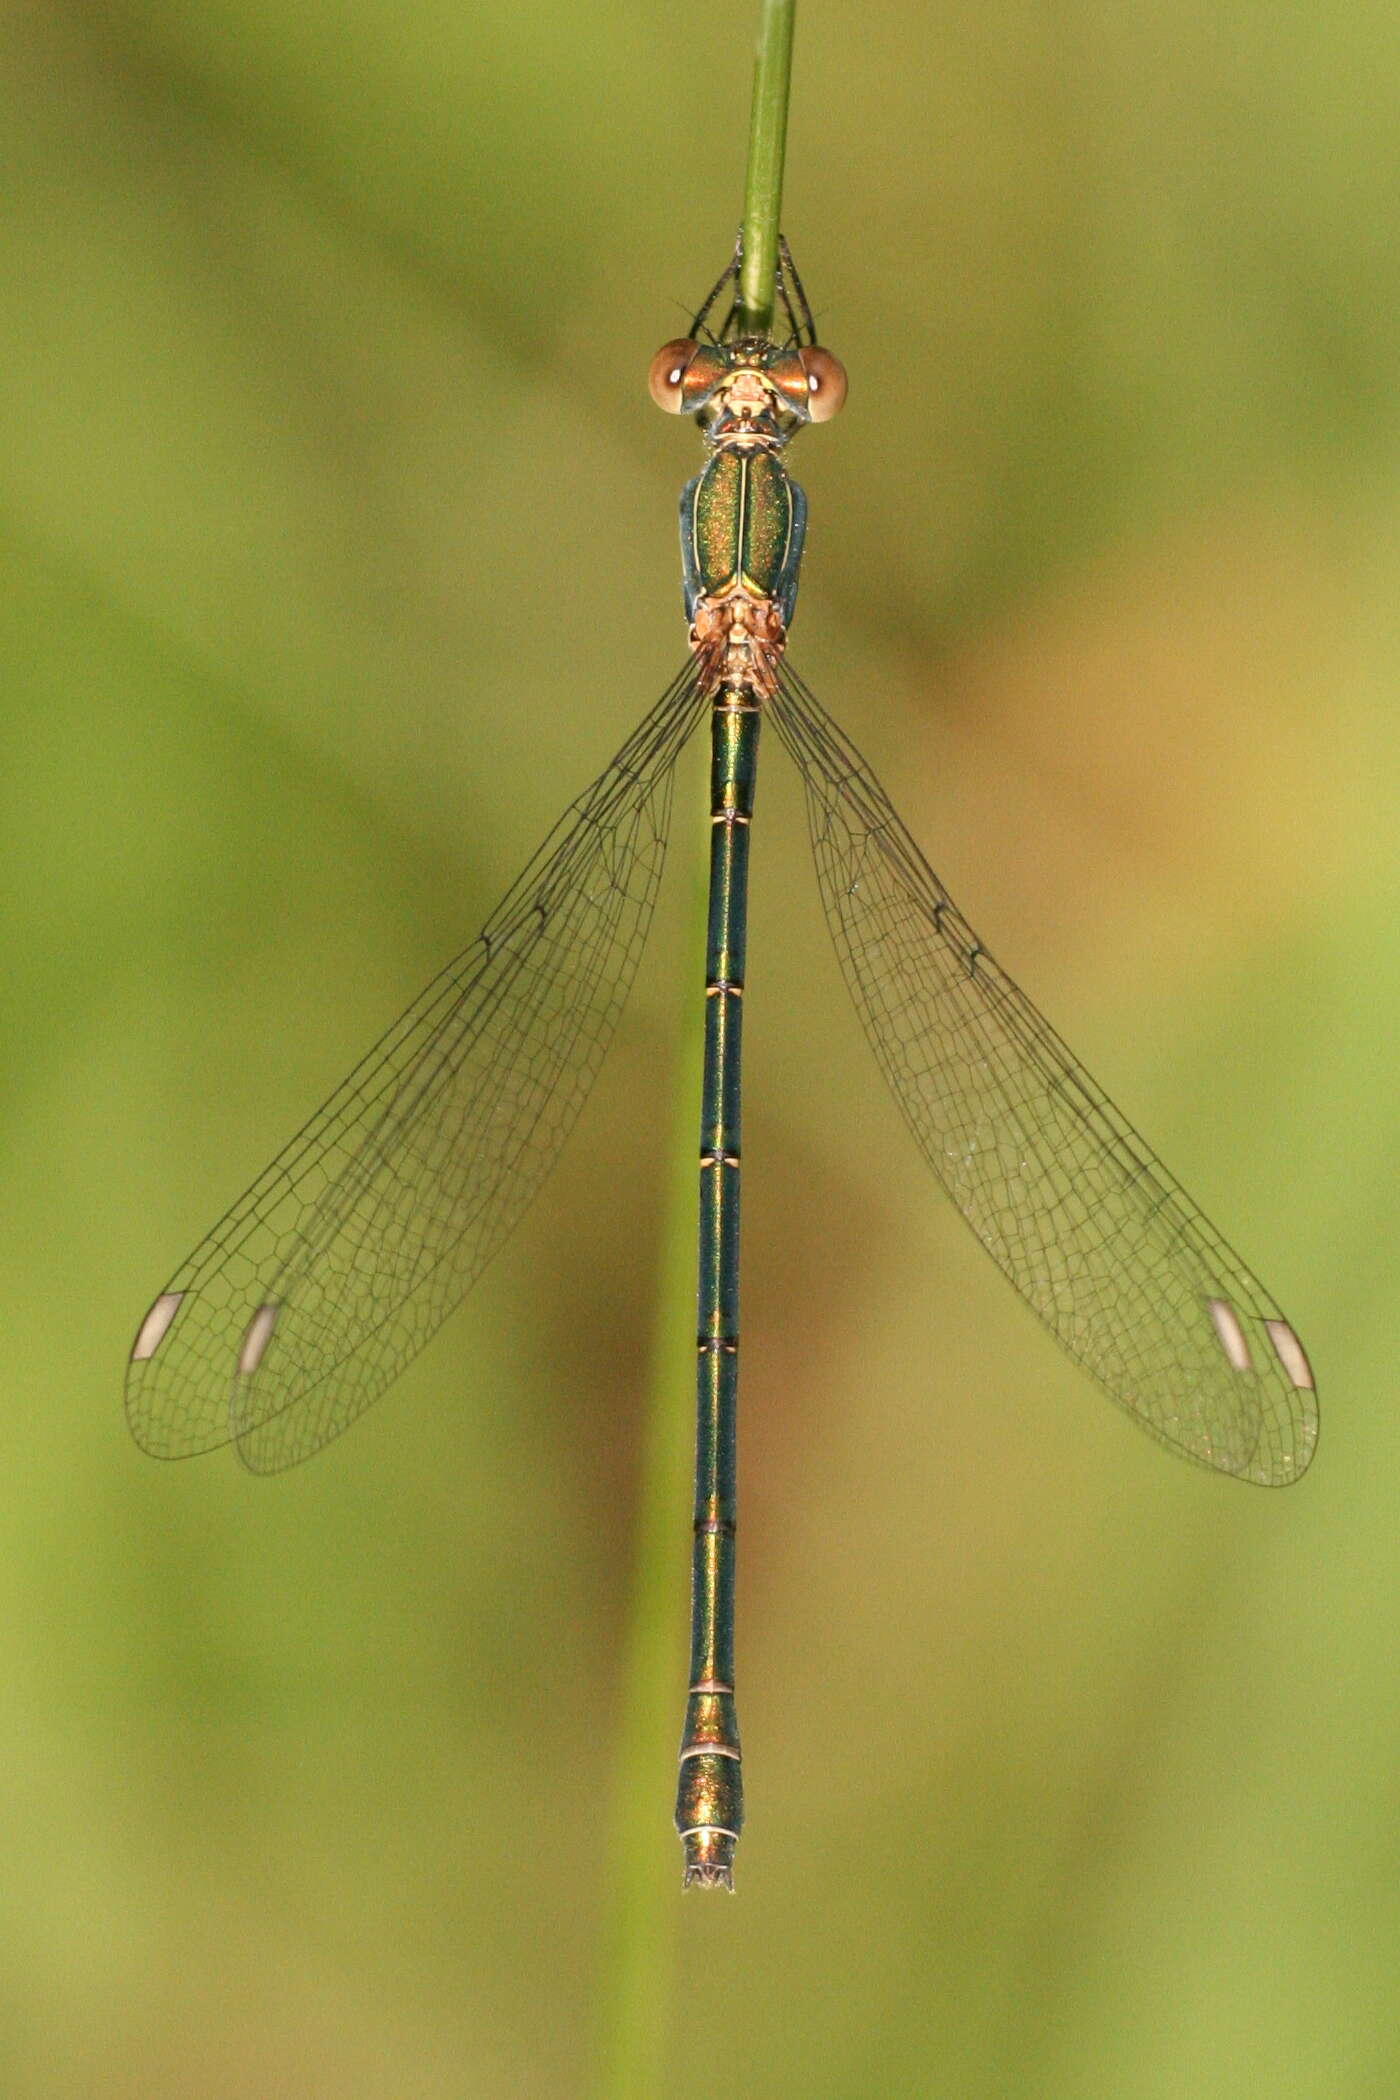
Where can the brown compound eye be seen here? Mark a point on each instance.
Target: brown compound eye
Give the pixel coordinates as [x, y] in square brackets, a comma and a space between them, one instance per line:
[789, 375]
[826, 384]
[667, 373]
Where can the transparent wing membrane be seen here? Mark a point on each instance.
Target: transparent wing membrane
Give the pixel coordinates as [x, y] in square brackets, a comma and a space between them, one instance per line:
[1106, 1248]
[345, 1256]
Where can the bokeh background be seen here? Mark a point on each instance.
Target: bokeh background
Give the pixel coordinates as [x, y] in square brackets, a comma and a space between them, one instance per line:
[339, 551]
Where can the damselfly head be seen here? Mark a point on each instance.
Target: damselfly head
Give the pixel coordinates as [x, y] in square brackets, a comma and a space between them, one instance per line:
[748, 381]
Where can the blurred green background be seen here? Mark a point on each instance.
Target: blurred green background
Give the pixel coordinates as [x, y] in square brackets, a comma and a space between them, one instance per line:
[340, 551]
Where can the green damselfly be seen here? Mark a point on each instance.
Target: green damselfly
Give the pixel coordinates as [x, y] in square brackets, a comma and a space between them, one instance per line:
[342, 1259]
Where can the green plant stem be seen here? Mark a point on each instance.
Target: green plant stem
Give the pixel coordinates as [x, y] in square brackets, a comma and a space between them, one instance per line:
[763, 187]
[644, 1874]
[638, 1969]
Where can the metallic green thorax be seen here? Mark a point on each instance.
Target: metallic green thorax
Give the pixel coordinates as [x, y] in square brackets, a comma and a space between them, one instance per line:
[742, 523]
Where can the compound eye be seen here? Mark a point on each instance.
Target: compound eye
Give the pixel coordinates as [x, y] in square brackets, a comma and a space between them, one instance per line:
[826, 384]
[667, 374]
[789, 376]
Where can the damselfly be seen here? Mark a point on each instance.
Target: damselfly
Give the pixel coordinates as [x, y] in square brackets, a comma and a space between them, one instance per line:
[341, 1260]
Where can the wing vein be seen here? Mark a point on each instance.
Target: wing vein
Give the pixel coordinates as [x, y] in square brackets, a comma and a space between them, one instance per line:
[1067, 1198]
[380, 1213]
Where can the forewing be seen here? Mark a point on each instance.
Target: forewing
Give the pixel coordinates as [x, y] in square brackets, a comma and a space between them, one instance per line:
[1065, 1196]
[343, 1258]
